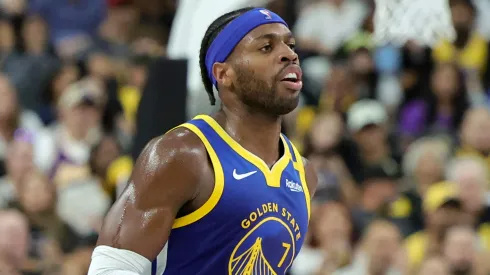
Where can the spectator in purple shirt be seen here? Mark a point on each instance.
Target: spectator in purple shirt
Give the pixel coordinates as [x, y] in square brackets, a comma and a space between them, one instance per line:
[441, 109]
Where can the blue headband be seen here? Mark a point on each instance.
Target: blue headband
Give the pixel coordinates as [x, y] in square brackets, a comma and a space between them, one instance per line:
[233, 33]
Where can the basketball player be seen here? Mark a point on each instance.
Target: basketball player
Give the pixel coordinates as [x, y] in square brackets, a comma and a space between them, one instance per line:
[226, 194]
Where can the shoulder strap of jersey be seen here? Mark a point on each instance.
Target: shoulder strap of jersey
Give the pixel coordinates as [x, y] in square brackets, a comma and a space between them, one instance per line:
[219, 181]
[299, 166]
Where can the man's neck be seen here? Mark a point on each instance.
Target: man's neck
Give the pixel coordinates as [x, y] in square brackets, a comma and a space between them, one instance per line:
[256, 132]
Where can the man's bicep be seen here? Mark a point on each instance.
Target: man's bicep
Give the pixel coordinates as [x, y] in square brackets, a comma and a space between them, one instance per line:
[161, 183]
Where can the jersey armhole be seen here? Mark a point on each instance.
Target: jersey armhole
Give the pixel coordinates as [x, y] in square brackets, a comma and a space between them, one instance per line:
[219, 182]
[300, 166]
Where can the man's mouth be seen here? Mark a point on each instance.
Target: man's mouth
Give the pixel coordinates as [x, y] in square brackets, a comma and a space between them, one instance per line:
[291, 77]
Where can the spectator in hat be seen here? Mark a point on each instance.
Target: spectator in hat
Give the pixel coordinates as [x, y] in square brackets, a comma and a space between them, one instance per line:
[378, 189]
[367, 121]
[65, 148]
[442, 209]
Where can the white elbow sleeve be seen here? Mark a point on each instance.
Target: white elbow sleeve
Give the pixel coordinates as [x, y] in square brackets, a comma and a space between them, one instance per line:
[107, 260]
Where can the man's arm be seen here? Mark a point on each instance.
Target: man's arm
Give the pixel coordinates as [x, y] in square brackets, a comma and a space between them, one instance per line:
[311, 176]
[166, 176]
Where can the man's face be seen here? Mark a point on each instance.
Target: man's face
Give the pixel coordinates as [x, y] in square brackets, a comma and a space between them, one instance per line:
[459, 250]
[370, 137]
[81, 119]
[264, 72]
[388, 239]
[445, 217]
[475, 132]
[471, 189]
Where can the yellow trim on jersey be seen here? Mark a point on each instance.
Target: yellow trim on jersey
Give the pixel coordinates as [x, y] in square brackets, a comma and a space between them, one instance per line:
[301, 168]
[219, 183]
[272, 176]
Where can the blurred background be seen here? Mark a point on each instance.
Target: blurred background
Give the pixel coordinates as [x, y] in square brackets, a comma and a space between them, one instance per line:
[400, 135]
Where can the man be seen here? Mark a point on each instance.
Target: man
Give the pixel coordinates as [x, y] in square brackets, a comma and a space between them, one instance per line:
[367, 121]
[442, 209]
[470, 174]
[461, 249]
[378, 189]
[372, 259]
[215, 196]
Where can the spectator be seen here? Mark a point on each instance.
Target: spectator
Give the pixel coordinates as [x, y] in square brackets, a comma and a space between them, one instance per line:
[12, 116]
[373, 260]
[424, 162]
[329, 244]
[475, 133]
[435, 265]
[322, 27]
[472, 180]
[469, 50]
[340, 90]
[103, 155]
[441, 111]
[20, 160]
[378, 189]
[442, 210]
[62, 77]
[362, 65]
[51, 236]
[130, 94]
[30, 70]
[423, 165]
[461, 251]
[334, 157]
[73, 30]
[65, 148]
[367, 121]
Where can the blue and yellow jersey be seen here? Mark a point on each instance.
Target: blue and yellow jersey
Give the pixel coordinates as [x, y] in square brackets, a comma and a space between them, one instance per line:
[255, 220]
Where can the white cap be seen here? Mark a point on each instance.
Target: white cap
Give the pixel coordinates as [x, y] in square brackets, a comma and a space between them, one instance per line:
[366, 112]
[79, 92]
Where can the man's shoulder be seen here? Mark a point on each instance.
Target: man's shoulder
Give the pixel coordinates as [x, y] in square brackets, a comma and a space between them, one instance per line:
[178, 145]
[180, 139]
[176, 160]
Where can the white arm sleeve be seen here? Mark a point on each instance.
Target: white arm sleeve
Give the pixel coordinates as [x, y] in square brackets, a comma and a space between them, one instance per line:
[107, 260]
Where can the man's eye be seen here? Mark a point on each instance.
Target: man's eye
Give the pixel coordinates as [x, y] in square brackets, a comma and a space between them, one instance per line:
[266, 48]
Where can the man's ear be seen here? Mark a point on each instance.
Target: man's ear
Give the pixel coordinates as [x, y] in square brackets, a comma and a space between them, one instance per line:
[223, 74]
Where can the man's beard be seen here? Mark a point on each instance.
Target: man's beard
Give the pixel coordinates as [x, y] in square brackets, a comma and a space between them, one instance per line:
[462, 269]
[257, 94]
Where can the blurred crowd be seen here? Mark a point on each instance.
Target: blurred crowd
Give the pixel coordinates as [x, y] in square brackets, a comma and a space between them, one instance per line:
[400, 136]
